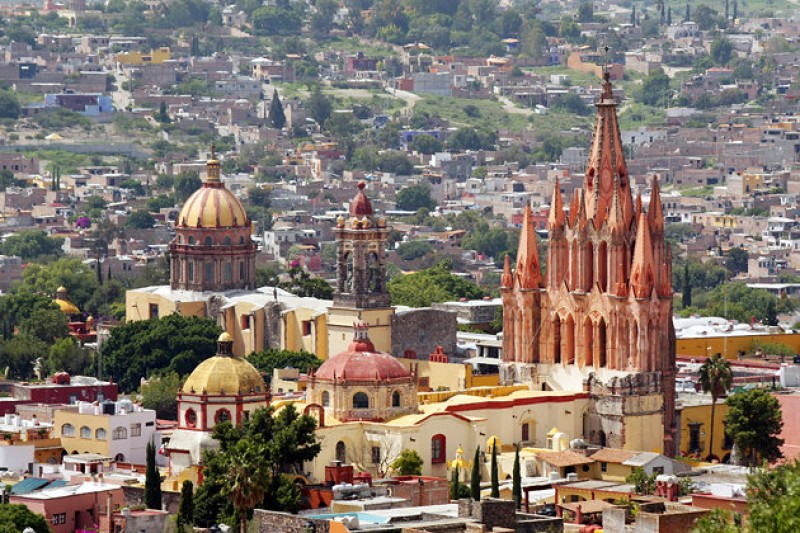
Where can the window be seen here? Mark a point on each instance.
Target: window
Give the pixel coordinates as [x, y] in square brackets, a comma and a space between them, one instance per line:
[191, 240]
[395, 399]
[438, 445]
[191, 418]
[136, 430]
[153, 311]
[227, 272]
[604, 467]
[694, 437]
[100, 434]
[209, 274]
[326, 399]
[360, 401]
[341, 451]
[191, 271]
[227, 241]
[241, 269]
[60, 518]
[86, 432]
[223, 415]
[67, 430]
[376, 455]
[119, 433]
[208, 241]
[245, 321]
[306, 328]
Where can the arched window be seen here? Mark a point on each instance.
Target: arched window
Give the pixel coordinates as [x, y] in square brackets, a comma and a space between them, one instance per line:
[341, 452]
[223, 415]
[191, 418]
[227, 241]
[208, 241]
[326, 399]
[191, 240]
[209, 274]
[67, 430]
[241, 240]
[360, 401]
[438, 448]
[241, 270]
[227, 272]
[395, 399]
[373, 268]
[120, 458]
[120, 433]
[100, 434]
[86, 432]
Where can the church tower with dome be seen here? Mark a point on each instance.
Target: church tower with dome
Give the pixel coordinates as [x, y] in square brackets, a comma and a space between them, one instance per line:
[212, 249]
[223, 388]
[360, 293]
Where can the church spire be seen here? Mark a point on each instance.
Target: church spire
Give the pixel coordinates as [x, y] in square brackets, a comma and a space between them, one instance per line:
[655, 213]
[606, 169]
[643, 267]
[528, 273]
[616, 219]
[506, 280]
[556, 218]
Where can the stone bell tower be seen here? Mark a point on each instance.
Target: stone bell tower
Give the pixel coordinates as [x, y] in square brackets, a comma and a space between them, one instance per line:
[360, 293]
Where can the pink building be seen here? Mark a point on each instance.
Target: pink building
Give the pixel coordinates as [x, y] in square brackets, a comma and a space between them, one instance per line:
[790, 408]
[87, 506]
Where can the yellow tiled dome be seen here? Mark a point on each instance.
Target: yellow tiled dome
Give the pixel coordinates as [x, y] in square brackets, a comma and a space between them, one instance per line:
[212, 206]
[224, 375]
[67, 307]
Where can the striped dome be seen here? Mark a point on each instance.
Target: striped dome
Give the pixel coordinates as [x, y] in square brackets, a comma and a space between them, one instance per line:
[212, 206]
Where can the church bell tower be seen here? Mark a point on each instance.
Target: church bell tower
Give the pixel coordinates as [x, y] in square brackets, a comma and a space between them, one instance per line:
[361, 293]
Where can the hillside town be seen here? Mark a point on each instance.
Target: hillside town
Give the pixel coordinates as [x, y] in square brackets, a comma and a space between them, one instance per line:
[450, 266]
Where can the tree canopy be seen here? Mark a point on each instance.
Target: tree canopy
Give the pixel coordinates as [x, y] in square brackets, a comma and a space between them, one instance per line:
[160, 393]
[408, 463]
[436, 284]
[15, 518]
[269, 360]
[31, 245]
[415, 197]
[174, 344]
[754, 421]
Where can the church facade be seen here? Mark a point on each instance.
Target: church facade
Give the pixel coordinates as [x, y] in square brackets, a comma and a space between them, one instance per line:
[599, 318]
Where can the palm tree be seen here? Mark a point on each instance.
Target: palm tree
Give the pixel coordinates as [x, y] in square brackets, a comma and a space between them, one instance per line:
[716, 378]
[247, 479]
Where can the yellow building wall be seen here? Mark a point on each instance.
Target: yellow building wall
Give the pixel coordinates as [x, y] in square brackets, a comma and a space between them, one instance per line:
[706, 346]
[316, 341]
[702, 414]
[154, 57]
[614, 471]
[340, 328]
[646, 432]
[76, 443]
[137, 306]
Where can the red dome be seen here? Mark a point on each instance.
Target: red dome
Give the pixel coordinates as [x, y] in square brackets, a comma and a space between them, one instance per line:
[361, 206]
[360, 362]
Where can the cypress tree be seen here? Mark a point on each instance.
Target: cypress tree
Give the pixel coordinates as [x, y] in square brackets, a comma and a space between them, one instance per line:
[727, 10]
[687, 287]
[277, 118]
[633, 15]
[495, 474]
[475, 479]
[688, 13]
[185, 506]
[516, 487]
[735, 9]
[152, 480]
[454, 484]
[99, 271]
[669, 16]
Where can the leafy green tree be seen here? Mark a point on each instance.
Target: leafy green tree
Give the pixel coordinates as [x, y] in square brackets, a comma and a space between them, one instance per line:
[185, 515]
[7, 179]
[18, 353]
[78, 278]
[65, 355]
[753, 422]
[9, 105]
[31, 245]
[516, 487]
[395, 162]
[716, 378]
[301, 283]
[495, 473]
[162, 115]
[586, 11]
[173, 343]
[16, 307]
[430, 285]
[643, 484]
[267, 361]
[736, 260]
[475, 478]
[721, 51]
[140, 219]
[655, 89]
[470, 139]
[319, 107]
[277, 118]
[706, 17]
[322, 19]
[247, 478]
[16, 518]
[415, 197]
[160, 393]
[686, 290]
[157, 203]
[152, 480]
[276, 20]
[772, 499]
[408, 463]
[46, 324]
[426, 144]
[408, 251]
[185, 184]
[260, 197]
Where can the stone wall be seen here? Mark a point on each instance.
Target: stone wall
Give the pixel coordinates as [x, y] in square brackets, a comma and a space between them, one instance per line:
[490, 512]
[275, 522]
[134, 497]
[422, 330]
